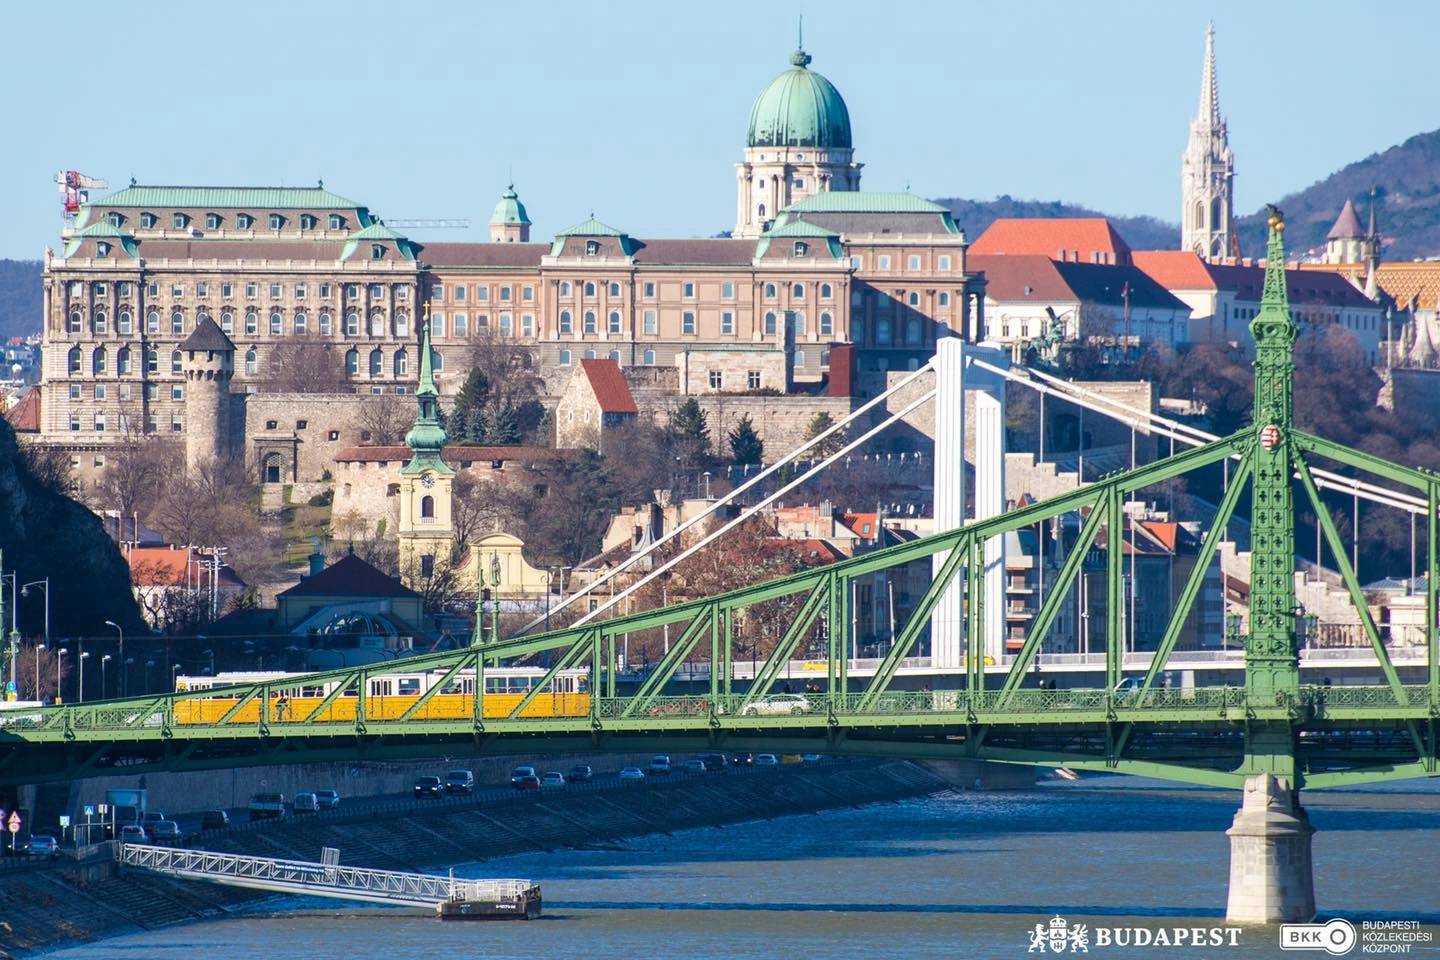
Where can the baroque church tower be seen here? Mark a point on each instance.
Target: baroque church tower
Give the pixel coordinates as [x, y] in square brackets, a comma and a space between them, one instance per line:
[426, 532]
[1207, 177]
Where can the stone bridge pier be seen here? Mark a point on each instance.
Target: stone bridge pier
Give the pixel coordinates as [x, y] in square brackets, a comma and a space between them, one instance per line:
[1271, 880]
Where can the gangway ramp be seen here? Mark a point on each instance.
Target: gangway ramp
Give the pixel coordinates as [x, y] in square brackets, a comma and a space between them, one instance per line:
[455, 899]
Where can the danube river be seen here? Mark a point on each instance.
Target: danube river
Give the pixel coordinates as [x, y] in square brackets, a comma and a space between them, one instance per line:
[958, 875]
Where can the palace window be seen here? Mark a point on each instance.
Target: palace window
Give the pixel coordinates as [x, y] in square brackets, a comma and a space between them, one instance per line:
[506, 325]
[826, 291]
[589, 321]
[99, 361]
[614, 289]
[944, 298]
[649, 289]
[827, 325]
[687, 323]
[301, 327]
[402, 363]
[504, 294]
[527, 325]
[651, 321]
[152, 321]
[252, 361]
[336, 222]
[589, 289]
[212, 221]
[100, 323]
[770, 328]
[352, 361]
[565, 289]
[124, 323]
[727, 323]
[147, 220]
[276, 323]
[152, 362]
[717, 379]
[770, 291]
[179, 220]
[252, 323]
[914, 263]
[244, 221]
[727, 290]
[688, 291]
[122, 361]
[326, 324]
[276, 221]
[176, 365]
[797, 323]
[307, 222]
[614, 321]
[798, 291]
[649, 358]
[752, 379]
[942, 263]
[377, 363]
[177, 323]
[564, 358]
[884, 263]
[177, 391]
[74, 360]
[799, 363]
[566, 324]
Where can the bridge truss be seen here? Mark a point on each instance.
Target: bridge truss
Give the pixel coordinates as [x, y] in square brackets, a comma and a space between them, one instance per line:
[1314, 735]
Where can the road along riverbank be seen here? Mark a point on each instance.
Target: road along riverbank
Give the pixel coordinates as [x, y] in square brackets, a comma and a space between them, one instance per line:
[48, 907]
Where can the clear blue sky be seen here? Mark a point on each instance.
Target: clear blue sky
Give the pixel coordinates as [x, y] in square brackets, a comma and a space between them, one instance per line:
[638, 109]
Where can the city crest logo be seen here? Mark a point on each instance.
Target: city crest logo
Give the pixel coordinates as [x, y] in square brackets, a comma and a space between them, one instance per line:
[1059, 935]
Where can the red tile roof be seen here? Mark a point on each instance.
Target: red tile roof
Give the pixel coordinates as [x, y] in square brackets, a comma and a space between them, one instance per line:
[858, 521]
[1060, 238]
[1012, 279]
[171, 566]
[24, 417]
[455, 453]
[350, 577]
[1175, 269]
[814, 550]
[611, 390]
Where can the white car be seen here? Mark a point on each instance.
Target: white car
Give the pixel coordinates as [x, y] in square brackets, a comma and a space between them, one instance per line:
[778, 705]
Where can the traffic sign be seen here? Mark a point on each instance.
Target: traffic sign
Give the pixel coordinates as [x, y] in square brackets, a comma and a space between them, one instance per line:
[14, 823]
[64, 820]
[89, 809]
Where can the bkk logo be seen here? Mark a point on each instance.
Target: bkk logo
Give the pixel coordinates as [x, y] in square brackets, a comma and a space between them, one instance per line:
[1059, 936]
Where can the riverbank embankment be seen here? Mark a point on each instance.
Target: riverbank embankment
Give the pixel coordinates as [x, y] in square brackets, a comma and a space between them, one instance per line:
[46, 908]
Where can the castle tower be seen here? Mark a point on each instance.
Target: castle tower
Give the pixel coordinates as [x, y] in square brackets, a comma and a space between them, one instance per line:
[208, 362]
[798, 145]
[1207, 174]
[509, 223]
[426, 532]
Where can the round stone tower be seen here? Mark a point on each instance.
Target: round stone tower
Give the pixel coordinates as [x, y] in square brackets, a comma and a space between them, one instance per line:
[208, 361]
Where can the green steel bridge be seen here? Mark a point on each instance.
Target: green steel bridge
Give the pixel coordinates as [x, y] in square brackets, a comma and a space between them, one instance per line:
[1314, 736]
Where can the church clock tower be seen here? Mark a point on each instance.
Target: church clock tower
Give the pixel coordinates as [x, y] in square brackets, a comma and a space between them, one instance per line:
[426, 533]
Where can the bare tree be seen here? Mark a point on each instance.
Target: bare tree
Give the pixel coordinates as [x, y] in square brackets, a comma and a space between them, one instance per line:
[50, 466]
[298, 365]
[385, 419]
[479, 506]
[136, 473]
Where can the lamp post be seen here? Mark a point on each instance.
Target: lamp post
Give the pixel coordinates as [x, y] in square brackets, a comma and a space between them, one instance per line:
[104, 677]
[706, 475]
[14, 579]
[59, 672]
[211, 655]
[44, 585]
[174, 669]
[148, 665]
[112, 623]
[125, 673]
[39, 695]
[84, 655]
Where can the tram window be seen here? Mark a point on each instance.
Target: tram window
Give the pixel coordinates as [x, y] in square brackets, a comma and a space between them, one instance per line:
[409, 686]
[468, 686]
[451, 688]
[382, 688]
[349, 691]
[494, 684]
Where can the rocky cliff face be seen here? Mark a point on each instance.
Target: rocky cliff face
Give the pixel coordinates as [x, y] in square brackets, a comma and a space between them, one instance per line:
[44, 535]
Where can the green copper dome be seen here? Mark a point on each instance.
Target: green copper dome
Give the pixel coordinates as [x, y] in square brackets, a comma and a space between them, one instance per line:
[800, 108]
[509, 209]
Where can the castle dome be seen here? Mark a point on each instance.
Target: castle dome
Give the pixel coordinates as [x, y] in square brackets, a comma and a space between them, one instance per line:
[800, 108]
[509, 209]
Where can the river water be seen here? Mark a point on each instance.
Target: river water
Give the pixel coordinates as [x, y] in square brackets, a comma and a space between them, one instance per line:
[957, 875]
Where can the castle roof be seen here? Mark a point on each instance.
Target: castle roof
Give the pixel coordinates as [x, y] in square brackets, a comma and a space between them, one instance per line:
[1175, 269]
[799, 108]
[24, 417]
[1079, 239]
[608, 384]
[269, 198]
[208, 336]
[1347, 225]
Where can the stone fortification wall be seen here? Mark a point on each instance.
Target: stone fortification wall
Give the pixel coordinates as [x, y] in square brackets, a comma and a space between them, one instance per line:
[316, 426]
[781, 422]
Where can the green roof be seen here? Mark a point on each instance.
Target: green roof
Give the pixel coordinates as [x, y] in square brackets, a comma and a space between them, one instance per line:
[101, 231]
[799, 229]
[267, 198]
[865, 201]
[591, 228]
[800, 108]
[509, 209]
[377, 231]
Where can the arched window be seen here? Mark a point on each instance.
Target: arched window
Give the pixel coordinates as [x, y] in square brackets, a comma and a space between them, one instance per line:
[152, 360]
[826, 291]
[614, 289]
[1199, 214]
[227, 322]
[437, 360]
[326, 324]
[177, 322]
[302, 324]
[589, 354]
[252, 324]
[565, 288]
[827, 324]
[75, 321]
[589, 289]
[615, 355]
[175, 362]
[402, 363]
[913, 299]
[99, 322]
[352, 361]
[377, 324]
[276, 324]
[352, 324]
[152, 322]
[882, 330]
[762, 211]
[377, 362]
[564, 358]
[614, 321]
[402, 324]
[252, 361]
[427, 507]
[912, 331]
[123, 321]
[944, 298]
[74, 361]
[99, 361]
[770, 324]
[798, 291]
[649, 358]
[1215, 211]
[799, 363]
[797, 323]
[122, 361]
[566, 325]
[769, 291]
[589, 321]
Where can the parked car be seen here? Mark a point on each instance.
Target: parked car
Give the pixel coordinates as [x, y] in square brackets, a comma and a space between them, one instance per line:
[766, 760]
[741, 760]
[215, 820]
[714, 762]
[166, 831]
[43, 845]
[777, 705]
[459, 781]
[265, 806]
[810, 757]
[133, 833]
[632, 774]
[659, 764]
[428, 787]
[553, 778]
[152, 816]
[580, 773]
[693, 765]
[305, 803]
[520, 772]
[328, 799]
[525, 782]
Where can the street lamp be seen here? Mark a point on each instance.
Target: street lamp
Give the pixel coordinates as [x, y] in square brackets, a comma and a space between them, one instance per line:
[104, 677]
[38, 694]
[59, 672]
[125, 673]
[112, 623]
[148, 665]
[84, 655]
[706, 475]
[44, 585]
[211, 655]
[174, 669]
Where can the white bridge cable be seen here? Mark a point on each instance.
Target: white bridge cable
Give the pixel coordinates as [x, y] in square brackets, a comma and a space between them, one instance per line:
[722, 501]
[1133, 417]
[751, 511]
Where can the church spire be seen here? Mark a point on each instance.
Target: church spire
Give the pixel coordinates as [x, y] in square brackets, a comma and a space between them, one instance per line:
[1207, 217]
[1209, 112]
[427, 437]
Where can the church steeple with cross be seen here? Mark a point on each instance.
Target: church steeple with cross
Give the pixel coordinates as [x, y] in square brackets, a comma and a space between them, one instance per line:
[426, 532]
[1207, 174]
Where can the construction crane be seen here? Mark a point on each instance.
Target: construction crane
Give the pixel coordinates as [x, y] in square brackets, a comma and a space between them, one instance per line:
[429, 224]
[75, 187]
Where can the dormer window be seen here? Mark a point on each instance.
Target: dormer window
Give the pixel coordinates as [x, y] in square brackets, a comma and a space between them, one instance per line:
[244, 221]
[276, 221]
[212, 221]
[147, 220]
[102, 249]
[180, 220]
[337, 222]
[802, 249]
[115, 218]
[308, 221]
[592, 248]
[377, 251]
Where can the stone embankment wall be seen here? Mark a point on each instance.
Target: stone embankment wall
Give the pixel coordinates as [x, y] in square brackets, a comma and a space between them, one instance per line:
[46, 907]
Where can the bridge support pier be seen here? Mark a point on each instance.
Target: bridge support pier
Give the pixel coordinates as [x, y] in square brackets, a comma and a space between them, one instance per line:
[1271, 880]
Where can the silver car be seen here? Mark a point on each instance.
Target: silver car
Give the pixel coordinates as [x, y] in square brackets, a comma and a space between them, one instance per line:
[777, 705]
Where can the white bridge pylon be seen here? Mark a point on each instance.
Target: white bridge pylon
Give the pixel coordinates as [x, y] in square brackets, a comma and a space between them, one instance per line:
[958, 373]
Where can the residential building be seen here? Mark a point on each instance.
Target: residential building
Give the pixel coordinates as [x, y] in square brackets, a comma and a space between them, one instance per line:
[597, 399]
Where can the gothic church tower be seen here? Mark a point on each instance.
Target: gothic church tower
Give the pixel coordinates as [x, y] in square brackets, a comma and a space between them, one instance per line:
[1207, 215]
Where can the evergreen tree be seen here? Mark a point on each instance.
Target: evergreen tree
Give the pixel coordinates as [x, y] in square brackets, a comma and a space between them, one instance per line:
[474, 430]
[473, 396]
[745, 444]
[505, 431]
[690, 434]
[832, 444]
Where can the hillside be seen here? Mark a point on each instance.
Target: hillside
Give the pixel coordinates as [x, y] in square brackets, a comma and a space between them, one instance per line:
[1407, 182]
[21, 303]
[1142, 233]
